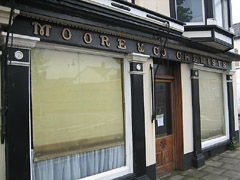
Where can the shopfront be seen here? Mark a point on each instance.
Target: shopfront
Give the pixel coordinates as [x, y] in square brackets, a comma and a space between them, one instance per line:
[90, 99]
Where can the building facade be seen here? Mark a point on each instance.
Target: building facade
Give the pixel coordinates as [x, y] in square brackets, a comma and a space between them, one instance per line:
[236, 28]
[114, 89]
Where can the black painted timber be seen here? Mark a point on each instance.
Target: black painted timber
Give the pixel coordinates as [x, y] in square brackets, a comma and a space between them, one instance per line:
[231, 107]
[17, 141]
[138, 125]
[198, 159]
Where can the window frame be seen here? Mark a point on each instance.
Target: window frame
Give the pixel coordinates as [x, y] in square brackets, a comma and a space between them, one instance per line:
[194, 23]
[128, 168]
[225, 137]
[224, 14]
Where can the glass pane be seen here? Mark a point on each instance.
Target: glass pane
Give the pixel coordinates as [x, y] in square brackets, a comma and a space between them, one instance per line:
[211, 105]
[218, 12]
[163, 125]
[77, 109]
[189, 10]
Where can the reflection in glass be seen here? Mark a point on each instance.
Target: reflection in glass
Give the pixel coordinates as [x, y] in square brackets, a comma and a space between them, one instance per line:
[77, 112]
[189, 10]
[211, 105]
[218, 12]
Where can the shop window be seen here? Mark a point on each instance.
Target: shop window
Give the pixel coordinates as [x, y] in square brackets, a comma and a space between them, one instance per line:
[211, 105]
[190, 10]
[78, 126]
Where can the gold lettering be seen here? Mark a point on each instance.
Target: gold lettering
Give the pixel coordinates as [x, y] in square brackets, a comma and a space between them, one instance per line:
[202, 60]
[42, 30]
[66, 34]
[164, 52]
[105, 41]
[140, 47]
[121, 44]
[224, 64]
[179, 55]
[186, 57]
[209, 61]
[156, 50]
[219, 63]
[213, 62]
[87, 38]
[195, 58]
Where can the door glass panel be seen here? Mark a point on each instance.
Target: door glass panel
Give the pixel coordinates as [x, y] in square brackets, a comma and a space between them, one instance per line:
[163, 125]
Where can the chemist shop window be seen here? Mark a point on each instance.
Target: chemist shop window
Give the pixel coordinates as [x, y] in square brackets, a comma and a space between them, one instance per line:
[78, 122]
[212, 108]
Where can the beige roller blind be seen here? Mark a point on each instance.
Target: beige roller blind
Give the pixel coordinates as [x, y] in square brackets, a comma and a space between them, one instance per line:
[77, 103]
[211, 105]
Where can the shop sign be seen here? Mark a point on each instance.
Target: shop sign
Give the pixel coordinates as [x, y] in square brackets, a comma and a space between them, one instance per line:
[58, 33]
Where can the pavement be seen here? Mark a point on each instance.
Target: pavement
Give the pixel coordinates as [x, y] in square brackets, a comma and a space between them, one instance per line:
[225, 166]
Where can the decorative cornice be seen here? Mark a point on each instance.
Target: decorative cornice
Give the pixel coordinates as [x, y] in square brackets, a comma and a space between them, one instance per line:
[137, 57]
[5, 14]
[16, 40]
[231, 72]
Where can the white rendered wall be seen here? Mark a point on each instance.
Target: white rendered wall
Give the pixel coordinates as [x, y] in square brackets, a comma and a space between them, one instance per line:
[235, 98]
[236, 86]
[187, 108]
[2, 153]
[149, 126]
[237, 44]
[160, 6]
[2, 162]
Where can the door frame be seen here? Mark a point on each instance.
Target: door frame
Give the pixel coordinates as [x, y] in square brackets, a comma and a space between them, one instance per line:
[177, 102]
[170, 80]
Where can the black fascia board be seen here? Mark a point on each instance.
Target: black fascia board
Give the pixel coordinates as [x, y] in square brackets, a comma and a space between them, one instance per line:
[233, 56]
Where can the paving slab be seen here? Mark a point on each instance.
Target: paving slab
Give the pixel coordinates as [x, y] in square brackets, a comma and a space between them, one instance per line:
[235, 167]
[232, 174]
[230, 160]
[190, 178]
[214, 163]
[216, 158]
[229, 154]
[195, 173]
[238, 157]
[215, 177]
[214, 170]
[176, 177]
[225, 166]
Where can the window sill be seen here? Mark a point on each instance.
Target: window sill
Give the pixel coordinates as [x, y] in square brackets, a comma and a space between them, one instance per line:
[112, 174]
[214, 143]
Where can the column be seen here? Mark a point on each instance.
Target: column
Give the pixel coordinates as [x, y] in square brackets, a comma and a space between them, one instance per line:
[17, 102]
[231, 107]
[138, 119]
[198, 159]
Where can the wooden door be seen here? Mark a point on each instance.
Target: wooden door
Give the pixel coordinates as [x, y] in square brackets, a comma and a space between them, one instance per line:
[164, 127]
